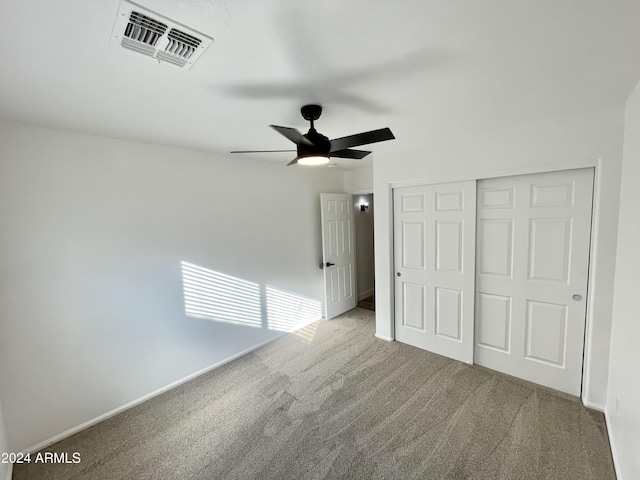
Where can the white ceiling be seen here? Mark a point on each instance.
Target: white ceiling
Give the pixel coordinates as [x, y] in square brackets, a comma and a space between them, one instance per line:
[429, 70]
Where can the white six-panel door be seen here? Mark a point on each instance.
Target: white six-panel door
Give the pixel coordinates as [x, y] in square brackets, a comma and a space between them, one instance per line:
[434, 244]
[338, 252]
[533, 234]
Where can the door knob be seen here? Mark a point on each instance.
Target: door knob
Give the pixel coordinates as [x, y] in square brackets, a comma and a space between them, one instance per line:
[329, 264]
[577, 297]
[399, 274]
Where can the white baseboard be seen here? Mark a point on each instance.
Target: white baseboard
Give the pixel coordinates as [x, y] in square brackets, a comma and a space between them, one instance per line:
[9, 471]
[367, 294]
[383, 337]
[144, 398]
[612, 443]
[592, 405]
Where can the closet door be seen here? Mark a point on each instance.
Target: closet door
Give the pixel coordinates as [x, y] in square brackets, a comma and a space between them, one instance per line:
[434, 257]
[531, 276]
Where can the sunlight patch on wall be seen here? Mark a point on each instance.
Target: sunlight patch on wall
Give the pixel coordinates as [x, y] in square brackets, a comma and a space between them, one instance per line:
[287, 311]
[215, 296]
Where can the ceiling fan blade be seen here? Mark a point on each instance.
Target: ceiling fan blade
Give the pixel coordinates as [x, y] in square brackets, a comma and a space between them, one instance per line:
[292, 134]
[347, 153]
[293, 162]
[361, 139]
[261, 151]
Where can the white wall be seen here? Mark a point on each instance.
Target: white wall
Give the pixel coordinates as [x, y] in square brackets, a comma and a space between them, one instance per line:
[359, 181]
[364, 246]
[578, 138]
[4, 467]
[93, 233]
[623, 400]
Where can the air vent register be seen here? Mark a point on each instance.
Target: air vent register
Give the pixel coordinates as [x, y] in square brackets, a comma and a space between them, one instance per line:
[156, 36]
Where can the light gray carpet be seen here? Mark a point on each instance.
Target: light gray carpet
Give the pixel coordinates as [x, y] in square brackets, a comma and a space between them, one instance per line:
[334, 402]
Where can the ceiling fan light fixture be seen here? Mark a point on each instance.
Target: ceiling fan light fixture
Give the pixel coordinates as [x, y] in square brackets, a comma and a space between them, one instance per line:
[314, 160]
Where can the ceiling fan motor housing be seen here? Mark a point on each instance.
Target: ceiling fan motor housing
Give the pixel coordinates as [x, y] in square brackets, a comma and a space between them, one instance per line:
[321, 145]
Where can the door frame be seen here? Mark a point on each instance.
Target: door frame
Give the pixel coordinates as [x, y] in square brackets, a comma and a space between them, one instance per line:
[362, 191]
[597, 181]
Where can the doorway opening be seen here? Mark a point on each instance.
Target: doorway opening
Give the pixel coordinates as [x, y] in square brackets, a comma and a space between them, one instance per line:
[365, 266]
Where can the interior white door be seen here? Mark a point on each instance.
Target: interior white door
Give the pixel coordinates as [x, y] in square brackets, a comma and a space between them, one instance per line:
[532, 269]
[338, 253]
[434, 257]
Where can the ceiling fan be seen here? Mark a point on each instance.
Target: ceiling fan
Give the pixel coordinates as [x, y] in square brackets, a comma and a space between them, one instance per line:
[313, 148]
